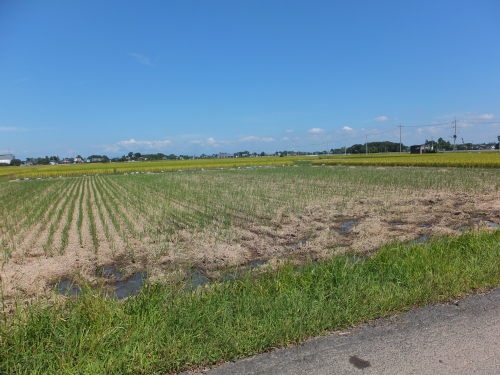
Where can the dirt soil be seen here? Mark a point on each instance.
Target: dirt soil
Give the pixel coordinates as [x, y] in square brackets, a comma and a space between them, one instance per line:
[320, 231]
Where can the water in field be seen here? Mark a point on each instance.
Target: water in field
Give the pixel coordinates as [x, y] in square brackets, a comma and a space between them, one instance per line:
[67, 287]
[110, 272]
[492, 224]
[397, 223]
[120, 289]
[196, 279]
[130, 286]
[420, 240]
[489, 223]
[346, 227]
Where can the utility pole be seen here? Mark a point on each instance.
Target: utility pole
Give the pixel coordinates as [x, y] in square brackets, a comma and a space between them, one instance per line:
[345, 150]
[400, 143]
[455, 136]
[366, 144]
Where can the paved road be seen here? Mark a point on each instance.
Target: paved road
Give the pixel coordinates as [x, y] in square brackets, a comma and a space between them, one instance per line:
[461, 338]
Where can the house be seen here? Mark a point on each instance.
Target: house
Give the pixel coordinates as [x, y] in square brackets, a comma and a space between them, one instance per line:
[67, 161]
[224, 155]
[6, 159]
[421, 149]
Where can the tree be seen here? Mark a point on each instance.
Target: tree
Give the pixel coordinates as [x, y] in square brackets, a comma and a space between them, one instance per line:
[444, 145]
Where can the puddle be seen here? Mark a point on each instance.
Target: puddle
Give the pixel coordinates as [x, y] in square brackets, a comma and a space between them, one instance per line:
[425, 225]
[420, 240]
[129, 287]
[346, 227]
[489, 223]
[67, 287]
[397, 223]
[109, 272]
[196, 279]
[120, 289]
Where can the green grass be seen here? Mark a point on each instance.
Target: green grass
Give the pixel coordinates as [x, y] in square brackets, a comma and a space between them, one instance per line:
[168, 329]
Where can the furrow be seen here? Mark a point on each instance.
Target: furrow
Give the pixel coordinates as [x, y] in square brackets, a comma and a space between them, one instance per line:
[29, 245]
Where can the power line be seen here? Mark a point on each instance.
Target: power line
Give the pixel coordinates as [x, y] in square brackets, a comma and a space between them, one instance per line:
[368, 133]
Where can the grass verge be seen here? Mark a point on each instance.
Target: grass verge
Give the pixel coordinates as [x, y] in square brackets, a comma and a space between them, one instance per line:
[165, 329]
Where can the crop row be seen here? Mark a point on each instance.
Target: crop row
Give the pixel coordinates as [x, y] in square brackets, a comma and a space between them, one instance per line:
[112, 214]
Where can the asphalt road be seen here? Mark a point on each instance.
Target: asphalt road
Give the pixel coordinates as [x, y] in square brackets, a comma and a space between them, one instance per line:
[461, 338]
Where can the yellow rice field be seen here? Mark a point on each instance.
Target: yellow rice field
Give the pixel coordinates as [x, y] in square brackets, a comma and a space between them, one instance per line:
[486, 159]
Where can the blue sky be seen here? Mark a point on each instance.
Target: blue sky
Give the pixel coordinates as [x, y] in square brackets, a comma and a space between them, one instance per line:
[87, 77]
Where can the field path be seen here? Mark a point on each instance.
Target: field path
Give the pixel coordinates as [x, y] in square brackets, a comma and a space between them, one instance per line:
[460, 338]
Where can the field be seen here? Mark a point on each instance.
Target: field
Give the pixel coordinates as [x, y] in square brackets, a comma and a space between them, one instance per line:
[175, 224]
[485, 159]
[143, 166]
[232, 262]
[455, 159]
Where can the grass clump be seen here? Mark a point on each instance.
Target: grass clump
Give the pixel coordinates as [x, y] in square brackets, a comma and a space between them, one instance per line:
[167, 329]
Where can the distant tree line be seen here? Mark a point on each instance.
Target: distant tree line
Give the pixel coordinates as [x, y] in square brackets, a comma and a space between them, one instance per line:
[373, 147]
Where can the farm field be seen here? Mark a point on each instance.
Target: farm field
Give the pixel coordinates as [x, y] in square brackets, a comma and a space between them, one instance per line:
[486, 159]
[45, 171]
[449, 159]
[171, 225]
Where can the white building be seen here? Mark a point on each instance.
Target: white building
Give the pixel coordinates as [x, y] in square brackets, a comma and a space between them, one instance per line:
[6, 159]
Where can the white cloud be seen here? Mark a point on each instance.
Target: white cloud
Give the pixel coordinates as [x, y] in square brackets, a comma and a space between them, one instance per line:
[9, 129]
[430, 130]
[486, 116]
[129, 143]
[289, 131]
[316, 131]
[253, 138]
[210, 141]
[141, 59]
[250, 138]
[381, 118]
[347, 128]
